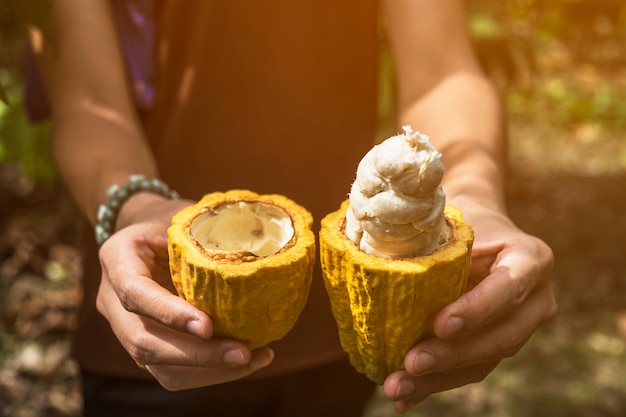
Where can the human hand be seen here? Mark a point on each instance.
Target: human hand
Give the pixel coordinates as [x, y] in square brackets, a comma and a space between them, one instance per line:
[508, 297]
[164, 333]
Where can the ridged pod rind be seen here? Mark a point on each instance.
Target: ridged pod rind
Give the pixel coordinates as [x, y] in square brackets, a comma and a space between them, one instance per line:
[257, 299]
[384, 306]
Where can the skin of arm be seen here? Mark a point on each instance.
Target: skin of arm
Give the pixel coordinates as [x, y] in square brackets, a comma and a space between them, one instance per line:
[98, 141]
[442, 92]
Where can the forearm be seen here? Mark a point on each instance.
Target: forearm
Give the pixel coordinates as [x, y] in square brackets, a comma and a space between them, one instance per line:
[92, 152]
[443, 93]
[97, 139]
[463, 116]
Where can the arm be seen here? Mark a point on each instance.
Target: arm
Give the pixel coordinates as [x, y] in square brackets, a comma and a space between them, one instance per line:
[98, 141]
[443, 93]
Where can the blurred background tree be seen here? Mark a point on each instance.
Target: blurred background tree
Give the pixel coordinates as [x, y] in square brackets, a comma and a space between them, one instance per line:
[533, 48]
[21, 142]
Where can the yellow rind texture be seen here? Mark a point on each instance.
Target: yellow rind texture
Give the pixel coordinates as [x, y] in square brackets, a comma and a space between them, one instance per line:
[384, 306]
[256, 301]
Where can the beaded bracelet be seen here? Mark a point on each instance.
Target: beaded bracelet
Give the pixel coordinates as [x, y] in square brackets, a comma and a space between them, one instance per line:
[117, 196]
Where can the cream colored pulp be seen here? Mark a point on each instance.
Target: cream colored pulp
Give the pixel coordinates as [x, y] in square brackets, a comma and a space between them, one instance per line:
[396, 202]
[257, 228]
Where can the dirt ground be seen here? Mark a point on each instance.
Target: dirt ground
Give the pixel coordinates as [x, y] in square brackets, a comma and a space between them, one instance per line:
[39, 294]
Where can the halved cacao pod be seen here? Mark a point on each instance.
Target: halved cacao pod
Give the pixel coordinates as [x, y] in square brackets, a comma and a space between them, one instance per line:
[246, 260]
[384, 306]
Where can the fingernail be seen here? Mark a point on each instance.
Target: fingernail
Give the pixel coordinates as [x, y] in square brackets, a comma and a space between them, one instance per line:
[195, 328]
[454, 325]
[423, 361]
[405, 388]
[404, 406]
[234, 357]
[259, 361]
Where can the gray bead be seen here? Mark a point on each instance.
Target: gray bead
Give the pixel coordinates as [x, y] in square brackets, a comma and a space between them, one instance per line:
[117, 195]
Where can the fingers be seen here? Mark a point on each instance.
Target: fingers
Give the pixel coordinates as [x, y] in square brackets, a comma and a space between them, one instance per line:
[515, 274]
[487, 324]
[180, 360]
[165, 334]
[176, 378]
[406, 390]
[143, 338]
[128, 267]
[151, 343]
[501, 339]
[144, 297]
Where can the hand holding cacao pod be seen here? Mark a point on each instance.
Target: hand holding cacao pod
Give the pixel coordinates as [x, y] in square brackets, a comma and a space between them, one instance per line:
[246, 260]
[393, 255]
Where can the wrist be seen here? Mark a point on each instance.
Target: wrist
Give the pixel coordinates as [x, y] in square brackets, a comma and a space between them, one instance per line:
[476, 190]
[125, 197]
[148, 207]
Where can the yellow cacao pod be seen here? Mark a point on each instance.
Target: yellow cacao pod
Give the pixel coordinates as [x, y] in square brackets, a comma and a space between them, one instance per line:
[384, 306]
[246, 260]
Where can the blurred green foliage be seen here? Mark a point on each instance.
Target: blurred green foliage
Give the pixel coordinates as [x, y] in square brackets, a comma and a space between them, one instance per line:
[562, 60]
[570, 104]
[24, 143]
[15, 15]
[21, 141]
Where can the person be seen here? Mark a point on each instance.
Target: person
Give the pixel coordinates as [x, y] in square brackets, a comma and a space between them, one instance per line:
[276, 97]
